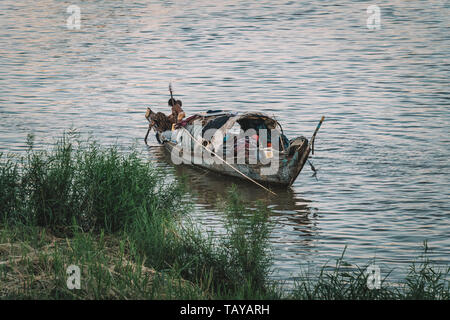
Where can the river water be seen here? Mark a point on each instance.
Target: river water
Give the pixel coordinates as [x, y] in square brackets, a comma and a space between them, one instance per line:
[383, 183]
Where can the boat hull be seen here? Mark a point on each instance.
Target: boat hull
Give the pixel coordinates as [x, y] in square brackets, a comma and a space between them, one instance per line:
[285, 173]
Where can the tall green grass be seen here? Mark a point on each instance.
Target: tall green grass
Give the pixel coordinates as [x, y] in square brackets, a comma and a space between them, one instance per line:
[125, 223]
[82, 188]
[235, 265]
[88, 186]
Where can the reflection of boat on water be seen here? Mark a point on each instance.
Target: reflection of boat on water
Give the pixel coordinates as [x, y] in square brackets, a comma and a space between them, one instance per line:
[296, 220]
[221, 142]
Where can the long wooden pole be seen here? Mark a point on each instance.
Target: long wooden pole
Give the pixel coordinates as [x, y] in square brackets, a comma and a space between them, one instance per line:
[228, 163]
[311, 141]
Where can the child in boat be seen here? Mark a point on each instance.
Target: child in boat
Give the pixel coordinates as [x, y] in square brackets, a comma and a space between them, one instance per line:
[161, 122]
[177, 113]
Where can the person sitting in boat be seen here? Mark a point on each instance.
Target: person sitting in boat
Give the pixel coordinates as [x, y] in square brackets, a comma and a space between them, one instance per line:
[177, 112]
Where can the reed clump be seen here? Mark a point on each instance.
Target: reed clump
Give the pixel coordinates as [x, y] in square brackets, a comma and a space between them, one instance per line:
[124, 223]
[58, 207]
[424, 281]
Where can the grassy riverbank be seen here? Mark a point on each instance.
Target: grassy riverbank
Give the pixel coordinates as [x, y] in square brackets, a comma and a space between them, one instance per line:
[124, 223]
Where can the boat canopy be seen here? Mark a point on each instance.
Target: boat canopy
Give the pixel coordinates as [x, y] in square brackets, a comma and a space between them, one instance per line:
[223, 124]
[247, 120]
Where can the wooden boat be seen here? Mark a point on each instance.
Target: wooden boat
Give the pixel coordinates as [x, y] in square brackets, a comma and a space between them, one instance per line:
[278, 161]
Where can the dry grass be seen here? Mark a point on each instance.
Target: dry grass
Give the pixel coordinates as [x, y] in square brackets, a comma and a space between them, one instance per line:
[107, 265]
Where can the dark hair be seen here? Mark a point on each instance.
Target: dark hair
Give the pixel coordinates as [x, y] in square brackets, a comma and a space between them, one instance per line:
[171, 102]
[179, 102]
